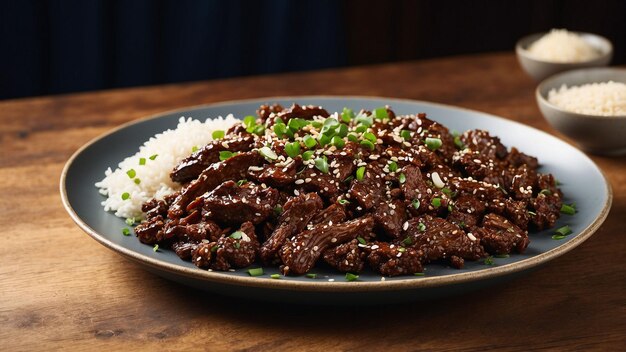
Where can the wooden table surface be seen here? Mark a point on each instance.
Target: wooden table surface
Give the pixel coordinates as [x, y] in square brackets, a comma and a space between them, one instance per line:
[61, 290]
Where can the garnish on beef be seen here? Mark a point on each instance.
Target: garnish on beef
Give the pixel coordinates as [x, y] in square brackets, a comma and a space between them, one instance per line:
[298, 187]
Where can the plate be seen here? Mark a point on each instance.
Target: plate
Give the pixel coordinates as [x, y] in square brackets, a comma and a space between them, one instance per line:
[582, 182]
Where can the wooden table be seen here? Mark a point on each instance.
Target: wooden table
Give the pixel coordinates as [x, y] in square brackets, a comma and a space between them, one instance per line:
[59, 289]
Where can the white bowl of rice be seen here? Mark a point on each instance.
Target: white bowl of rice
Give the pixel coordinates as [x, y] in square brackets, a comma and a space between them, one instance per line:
[588, 106]
[544, 54]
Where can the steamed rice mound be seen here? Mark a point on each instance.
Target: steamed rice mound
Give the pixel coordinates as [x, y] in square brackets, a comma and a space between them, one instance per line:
[146, 175]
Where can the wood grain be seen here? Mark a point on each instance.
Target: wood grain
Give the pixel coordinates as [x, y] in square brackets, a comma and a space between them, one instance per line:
[60, 290]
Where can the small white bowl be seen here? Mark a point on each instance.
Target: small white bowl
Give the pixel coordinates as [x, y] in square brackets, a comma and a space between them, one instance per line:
[540, 69]
[595, 134]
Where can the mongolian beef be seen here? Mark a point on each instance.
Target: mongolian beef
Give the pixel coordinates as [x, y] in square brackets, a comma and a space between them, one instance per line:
[298, 188]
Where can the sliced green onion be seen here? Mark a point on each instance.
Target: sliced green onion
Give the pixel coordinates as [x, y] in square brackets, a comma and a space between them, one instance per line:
[361, 240]
[545, 191]
[323, 139]
[237, 245]
[421, 227]
[370, 136]
[330, 127]
[531, 213]
[317, 124]
[448, 192]
[402, 178]
[131, 173]
[255, 271]
[275, 276]
[267, 153]
[407, 241]
[258, 129]
[280, 130]
[568, 209]
[367, 144]
[406, 134]
[296, 124]
[194, 149]
[360, 128]
[419, 274]
[236, 235]
[347, 115]
[353, 137]
[564, 231]
[130, 221]
[343, 201]
[311, 275]
[360, 173]
[217, 134]
[142, 161]
[436, 202]
[155, 248]
[342, 130]
[348, 179]
[292, 149]
[126, 231]
[364, 120]
[307, 155]
[401, 249]
[322, 164]
[433, 143]
[351, 277]
[501, 255]
[450, 207]
[337, 142]
[458, 143]
[381, 113]
[125, 196]
[558, 237]
[489, 261]
[249, 121]
[242, 182]
[278, 121]
[416, 203]
[137, 181]
[309, 141]
[278, 210]
[226, 154]
[153, 156]
[393, 166]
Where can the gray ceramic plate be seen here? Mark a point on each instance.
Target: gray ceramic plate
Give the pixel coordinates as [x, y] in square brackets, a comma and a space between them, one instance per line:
[582, 181]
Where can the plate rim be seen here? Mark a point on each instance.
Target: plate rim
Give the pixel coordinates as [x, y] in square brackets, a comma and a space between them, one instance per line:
[406, 283]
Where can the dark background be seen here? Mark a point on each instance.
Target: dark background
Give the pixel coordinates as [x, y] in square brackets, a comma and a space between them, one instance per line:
[52, 47]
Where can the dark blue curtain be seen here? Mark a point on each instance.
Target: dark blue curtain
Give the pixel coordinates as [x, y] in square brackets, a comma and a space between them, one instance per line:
[49, 47]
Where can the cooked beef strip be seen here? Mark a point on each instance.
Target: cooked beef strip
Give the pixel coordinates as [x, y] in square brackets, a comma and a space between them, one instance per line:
[499, 236]
[392, 260]
[443, 240]
[389, 217]
[346, 257]
[234, 168]
[298, 211]
[192, 166]
[300, 252]
[229, 251]
[231, 204]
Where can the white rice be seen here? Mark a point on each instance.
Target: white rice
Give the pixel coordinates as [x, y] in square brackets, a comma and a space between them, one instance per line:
[600, 99]
[170, 147]
[562, 46]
